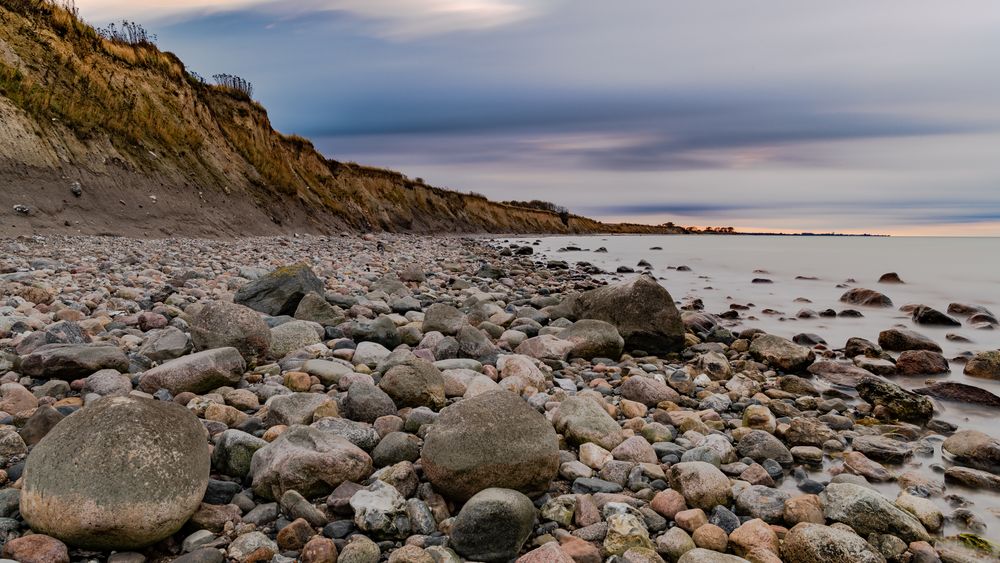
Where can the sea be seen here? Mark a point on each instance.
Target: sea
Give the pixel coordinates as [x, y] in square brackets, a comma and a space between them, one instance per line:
[813, 272]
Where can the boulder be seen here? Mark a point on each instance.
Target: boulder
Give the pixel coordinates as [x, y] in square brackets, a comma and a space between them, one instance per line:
[293, 408]
[901, 339]
[647, 390]
[593, 339]
[493, 526]
[781, 353]
[228, 325]
[315, 308]
[839, 373]
[974, 449]
[234, 451]
[702, 484]
[443, 318]
[921, 362]
[951, 391]
[759, 445]
[868, 512]
[985, 365]
[165, 344]
[640, 309]
[281, 291]
[416, 383]
[365, 402]
[581, 419]
[899, 403]
[291, 336]
[75, 488]
[491, 440]
[309, 461]
[924, 315]
[70, 361]
[36, 548]
[866, 297]
[816, 543]
[699, 555]
[197, 373]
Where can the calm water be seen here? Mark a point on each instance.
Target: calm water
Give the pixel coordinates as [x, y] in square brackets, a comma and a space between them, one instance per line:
[936, 272]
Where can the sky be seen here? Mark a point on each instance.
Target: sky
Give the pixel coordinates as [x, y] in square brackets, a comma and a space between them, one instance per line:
[770, 115]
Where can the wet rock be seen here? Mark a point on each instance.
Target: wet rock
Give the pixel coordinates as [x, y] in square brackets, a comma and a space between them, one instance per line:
[281, 291]
[196, 373]
[973, 478]
[493, 525]
[901, 340]
[921, 362]
[891, 277]
[975, 449]
[781, 353]
[839, 373]
[74, 488]
[221, 324]
[927, 316]
[985, 365]
[306, 460]
[866, 297]
[960, 392]
[881, 448]
[494, 440]
[898, 402]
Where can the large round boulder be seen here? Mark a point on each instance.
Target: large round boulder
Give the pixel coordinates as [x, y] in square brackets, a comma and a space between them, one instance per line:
[220, 325]
[641, 309]
[121, 474]
[309, 461]
[581, 419]
[702, 484]
[491, 440]
[985, 365]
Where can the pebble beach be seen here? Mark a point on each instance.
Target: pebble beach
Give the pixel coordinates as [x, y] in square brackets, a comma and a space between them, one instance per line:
[422, 399]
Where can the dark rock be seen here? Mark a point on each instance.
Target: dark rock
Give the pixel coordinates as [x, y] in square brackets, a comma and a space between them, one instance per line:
[900, 340]
[927, 316]
[898, 402]
[866, 297]
[281, 291]
[70, 361]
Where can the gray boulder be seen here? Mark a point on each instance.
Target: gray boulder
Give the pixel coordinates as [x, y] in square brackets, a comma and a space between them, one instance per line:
[781, 353]
[365, 402]
[70, 361]
[975, 449]
[868, 512]
[759, 445]
[291, 336]
[198, 373]
[491, 440]
[594, 339]
[75, 488]
[293, 408]
[493, 526]
[309, 461]
[640, 309]
[233, 452]
[416, 383]
[901, 340]
[701, 484]
[165, 344]
[315, 308]
[228, 325]
[281, 291]
[816, 543]
[443, 318]
[581, 420]
[898, 402]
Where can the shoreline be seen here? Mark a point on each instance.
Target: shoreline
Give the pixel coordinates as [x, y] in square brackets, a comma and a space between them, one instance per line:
[709, 446]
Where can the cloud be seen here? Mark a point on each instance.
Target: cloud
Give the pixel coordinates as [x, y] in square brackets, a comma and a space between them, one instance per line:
[396, 19]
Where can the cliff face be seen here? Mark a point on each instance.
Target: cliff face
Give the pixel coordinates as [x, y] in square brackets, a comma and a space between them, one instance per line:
[100, 136]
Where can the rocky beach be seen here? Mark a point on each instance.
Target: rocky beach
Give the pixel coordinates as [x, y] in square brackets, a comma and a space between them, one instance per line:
[431, 399]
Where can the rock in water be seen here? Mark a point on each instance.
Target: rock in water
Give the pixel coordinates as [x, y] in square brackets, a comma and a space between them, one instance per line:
[493, 526]
[197, 373]
[781, 353]
[867, 297]
[985, 365]
[925, 315]
[975, 449]
[641, 309]
[121, 474]
[901, 340]
[491, 440]
[816, 543]
[306, 460]
[221, 325]
[900, 403]
[951, 391]
[281, 291]
[69, 361]
[868, 512]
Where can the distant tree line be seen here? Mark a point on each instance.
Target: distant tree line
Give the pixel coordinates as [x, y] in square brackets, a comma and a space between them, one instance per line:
[234, 83]
[538, 204]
